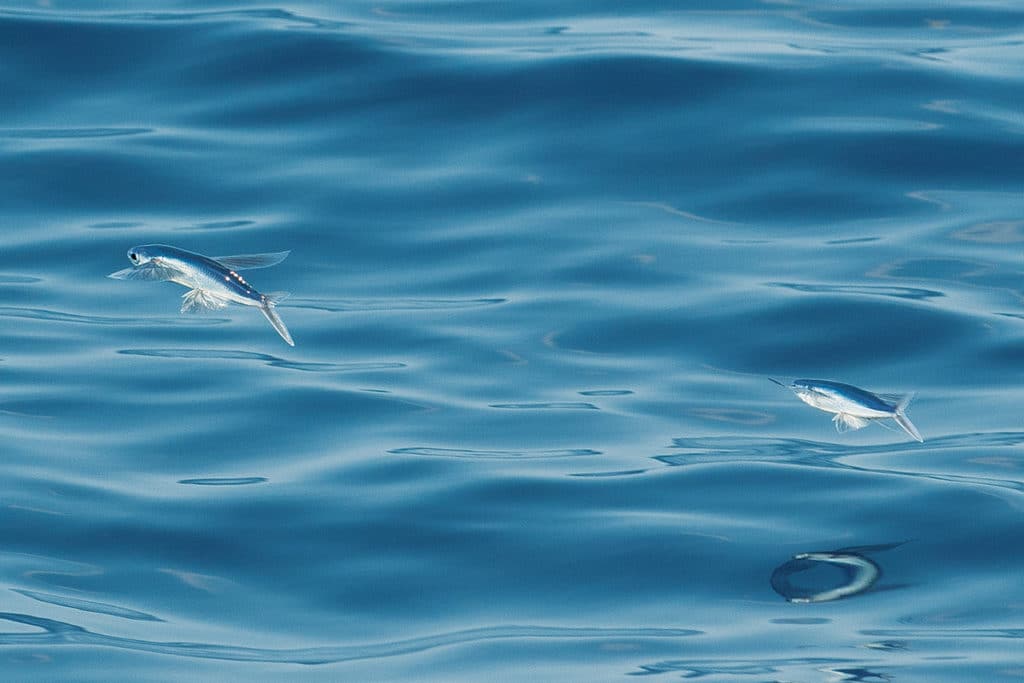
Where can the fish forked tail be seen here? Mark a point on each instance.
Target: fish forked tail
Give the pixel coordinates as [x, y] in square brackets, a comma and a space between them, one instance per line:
[903, 421]
[269, 302]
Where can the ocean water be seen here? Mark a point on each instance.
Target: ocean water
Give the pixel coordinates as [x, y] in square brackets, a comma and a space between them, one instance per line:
[544, 259]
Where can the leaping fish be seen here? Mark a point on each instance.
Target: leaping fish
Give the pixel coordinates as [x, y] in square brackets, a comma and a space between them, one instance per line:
[213, 282]
[853, 408]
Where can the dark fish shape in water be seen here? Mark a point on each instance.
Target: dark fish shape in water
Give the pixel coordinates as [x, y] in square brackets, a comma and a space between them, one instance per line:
[853, 408]
[213, 282]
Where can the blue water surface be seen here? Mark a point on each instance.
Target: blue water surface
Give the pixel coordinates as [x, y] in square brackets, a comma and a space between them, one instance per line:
[545, 257]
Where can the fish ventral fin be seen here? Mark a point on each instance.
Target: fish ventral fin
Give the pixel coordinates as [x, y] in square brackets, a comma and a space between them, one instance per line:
[843, 421]
[196, 300]
[244, 261]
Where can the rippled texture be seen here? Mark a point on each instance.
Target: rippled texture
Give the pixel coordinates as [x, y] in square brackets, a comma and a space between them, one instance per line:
[545, 257]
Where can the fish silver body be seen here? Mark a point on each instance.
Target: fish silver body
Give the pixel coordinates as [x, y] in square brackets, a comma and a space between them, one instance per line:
[213, 282]
[851, 406]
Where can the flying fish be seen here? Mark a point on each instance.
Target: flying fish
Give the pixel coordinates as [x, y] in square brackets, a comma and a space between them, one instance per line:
[213, 282]
[853, 408]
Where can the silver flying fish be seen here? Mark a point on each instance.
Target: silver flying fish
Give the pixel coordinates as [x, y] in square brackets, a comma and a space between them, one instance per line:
[213, 282]
[853, 408]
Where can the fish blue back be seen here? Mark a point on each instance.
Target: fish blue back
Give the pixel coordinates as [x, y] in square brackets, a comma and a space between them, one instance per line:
[865, 398]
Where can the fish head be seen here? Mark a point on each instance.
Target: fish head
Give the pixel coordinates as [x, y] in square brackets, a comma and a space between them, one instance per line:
[141, 255]
[811, 394]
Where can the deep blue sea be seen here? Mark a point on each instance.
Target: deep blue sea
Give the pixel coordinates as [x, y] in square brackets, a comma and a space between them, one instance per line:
[545, 257]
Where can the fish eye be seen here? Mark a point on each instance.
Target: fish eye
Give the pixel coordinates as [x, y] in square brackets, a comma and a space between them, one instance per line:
[133, 256]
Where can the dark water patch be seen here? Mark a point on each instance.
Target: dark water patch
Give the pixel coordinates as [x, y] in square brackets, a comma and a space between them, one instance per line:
[819, 331]
[481, 454]
[74, 318]
[224, 481]
[87, 605]
[63, 633]
[606, 392]
[274, 361]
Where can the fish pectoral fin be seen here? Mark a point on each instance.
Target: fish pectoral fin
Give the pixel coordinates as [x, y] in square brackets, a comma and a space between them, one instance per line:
[844, 421]
[201, 300]
[243, 261]
[148, 271]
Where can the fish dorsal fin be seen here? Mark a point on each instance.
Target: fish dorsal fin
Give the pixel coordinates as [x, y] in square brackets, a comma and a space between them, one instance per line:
[243, 261]
[201, 300]
[148, 271]
[895, 399]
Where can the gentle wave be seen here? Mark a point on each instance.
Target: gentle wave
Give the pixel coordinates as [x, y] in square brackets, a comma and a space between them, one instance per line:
[481, 454]
[87, 605]
[353, 305]
[78, 319]
[62, 633]
[224, 481]
[274, 361]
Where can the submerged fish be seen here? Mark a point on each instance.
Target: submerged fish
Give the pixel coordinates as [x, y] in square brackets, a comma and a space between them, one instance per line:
[854, 408]
[213, 282]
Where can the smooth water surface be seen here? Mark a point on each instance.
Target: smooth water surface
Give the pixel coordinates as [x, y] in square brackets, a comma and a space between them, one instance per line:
[545, 257]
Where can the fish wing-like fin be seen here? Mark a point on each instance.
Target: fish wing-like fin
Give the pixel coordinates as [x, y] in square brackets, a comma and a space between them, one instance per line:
[201, 300]
[148, 271]
[845, 421]
[243, 261]
[275, 320]
[903, 421]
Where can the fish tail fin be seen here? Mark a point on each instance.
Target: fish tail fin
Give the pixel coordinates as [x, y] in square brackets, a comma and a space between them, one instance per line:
[903, 421]
[268, 310]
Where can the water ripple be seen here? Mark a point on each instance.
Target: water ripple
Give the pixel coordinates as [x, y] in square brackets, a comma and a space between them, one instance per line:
[65, 133]
[1010, 633]
[492, 454]
[87, 605]
[19, 280]
[60, 316]
[62, 633]
[730, 450]
[348, 305]
[874, 290]
[224, 481]
[553, 405]
[275, 361]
